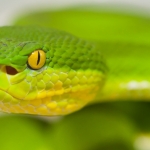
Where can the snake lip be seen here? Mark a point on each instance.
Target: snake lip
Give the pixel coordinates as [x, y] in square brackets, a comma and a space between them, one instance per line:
[10, 70]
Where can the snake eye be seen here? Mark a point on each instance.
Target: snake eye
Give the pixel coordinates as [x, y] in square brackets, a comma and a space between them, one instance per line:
[37, 59]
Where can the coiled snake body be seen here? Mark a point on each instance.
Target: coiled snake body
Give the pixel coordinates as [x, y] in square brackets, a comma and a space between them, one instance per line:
[46, 71]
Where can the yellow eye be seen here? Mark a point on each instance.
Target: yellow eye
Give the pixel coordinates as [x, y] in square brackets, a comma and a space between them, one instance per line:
[37, 59]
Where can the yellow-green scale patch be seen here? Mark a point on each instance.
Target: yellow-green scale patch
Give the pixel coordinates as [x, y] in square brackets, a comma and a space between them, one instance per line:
[58, 99]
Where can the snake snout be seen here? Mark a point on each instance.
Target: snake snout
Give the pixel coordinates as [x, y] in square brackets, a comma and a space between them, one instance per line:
[11, 71]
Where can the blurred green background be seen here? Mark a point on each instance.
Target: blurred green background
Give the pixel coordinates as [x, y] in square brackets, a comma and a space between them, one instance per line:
[103, 126]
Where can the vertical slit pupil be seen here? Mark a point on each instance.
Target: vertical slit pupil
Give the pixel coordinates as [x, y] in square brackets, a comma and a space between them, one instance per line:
[38, 58]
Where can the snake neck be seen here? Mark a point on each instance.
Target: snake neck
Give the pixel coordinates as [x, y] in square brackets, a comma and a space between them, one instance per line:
[115, 90]
[128, 71]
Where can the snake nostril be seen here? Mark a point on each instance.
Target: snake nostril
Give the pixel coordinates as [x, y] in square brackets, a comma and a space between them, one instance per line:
[11, 71]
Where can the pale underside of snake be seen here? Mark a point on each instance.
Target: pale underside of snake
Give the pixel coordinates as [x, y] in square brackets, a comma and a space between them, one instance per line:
[90, 55]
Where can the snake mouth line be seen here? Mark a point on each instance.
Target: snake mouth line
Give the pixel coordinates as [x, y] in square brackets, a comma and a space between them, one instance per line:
[7, 96]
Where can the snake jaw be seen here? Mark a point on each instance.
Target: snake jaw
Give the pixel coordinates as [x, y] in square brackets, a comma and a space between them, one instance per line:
[56, 93]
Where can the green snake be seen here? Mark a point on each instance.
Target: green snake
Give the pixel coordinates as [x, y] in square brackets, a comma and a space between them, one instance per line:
[90, 55]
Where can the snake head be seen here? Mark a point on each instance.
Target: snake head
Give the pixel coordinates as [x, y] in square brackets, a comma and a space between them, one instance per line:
[47, 72]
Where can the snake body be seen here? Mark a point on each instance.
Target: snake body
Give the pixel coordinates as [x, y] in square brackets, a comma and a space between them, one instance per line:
[116, 50]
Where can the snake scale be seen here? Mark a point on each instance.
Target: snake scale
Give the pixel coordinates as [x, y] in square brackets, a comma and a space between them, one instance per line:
[90, 55]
